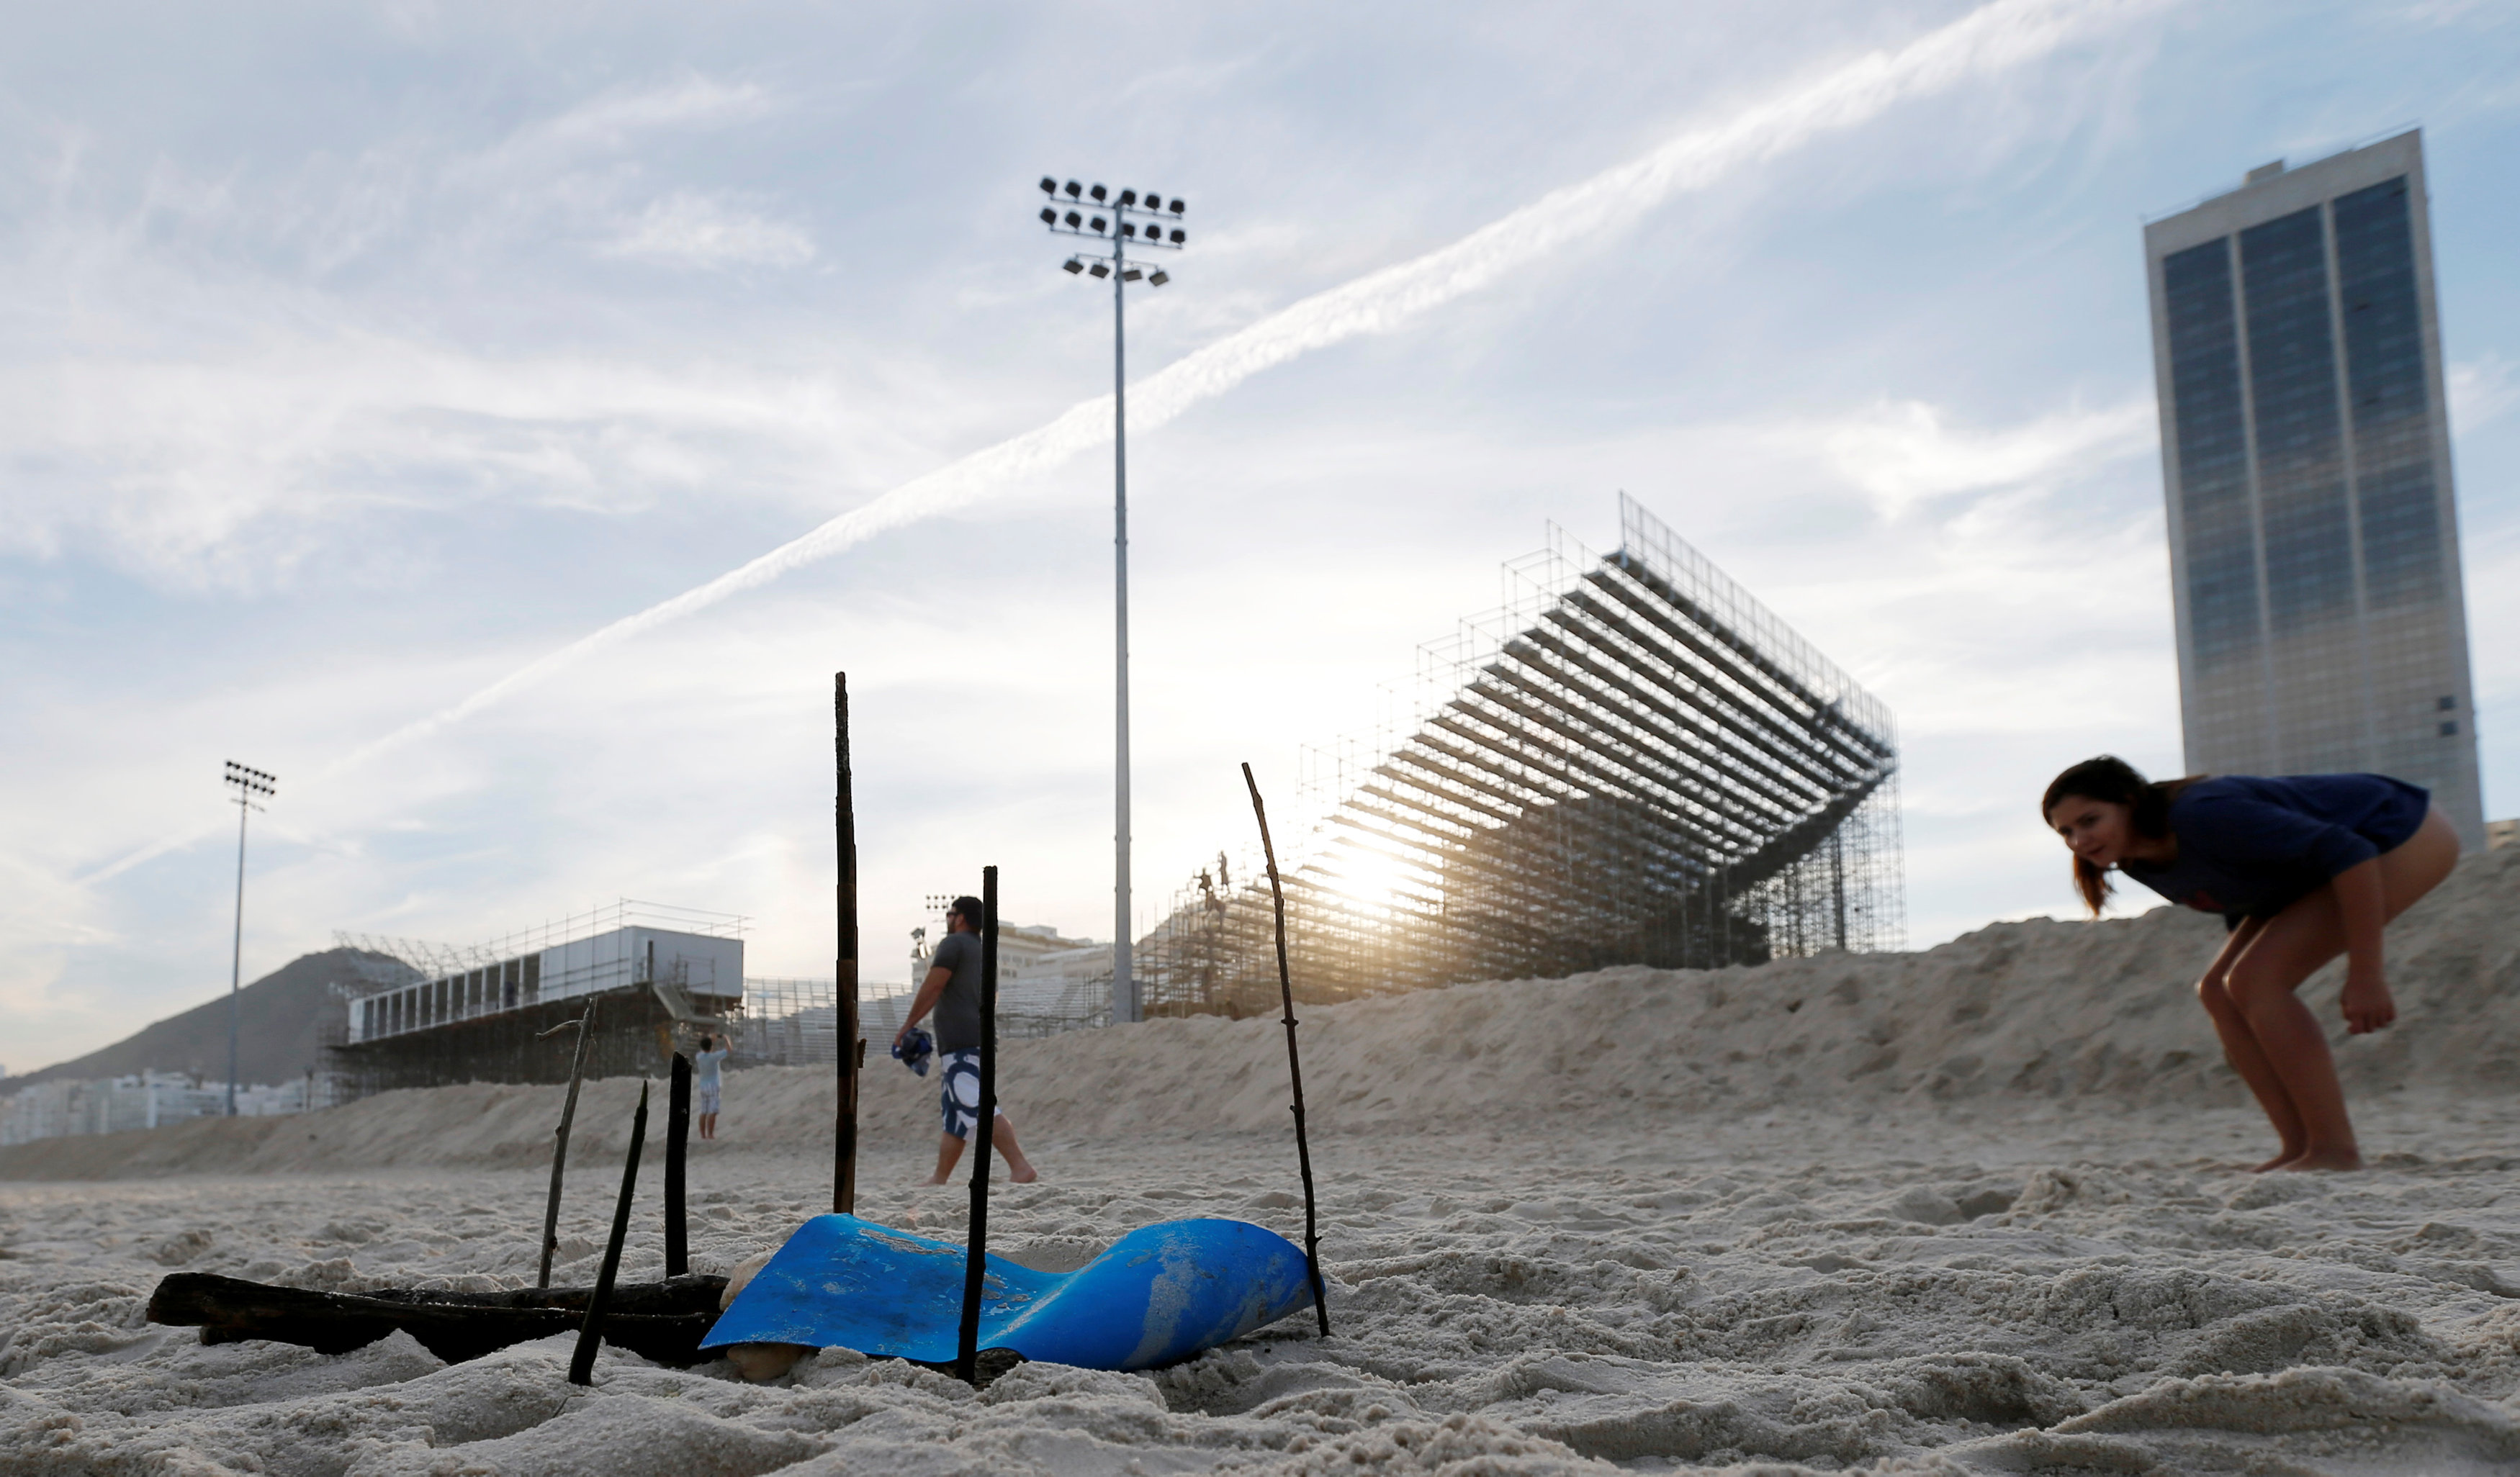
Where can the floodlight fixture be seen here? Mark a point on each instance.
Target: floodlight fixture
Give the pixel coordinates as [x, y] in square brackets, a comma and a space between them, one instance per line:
[1048, 186]
[1130, 221]
[248, 783]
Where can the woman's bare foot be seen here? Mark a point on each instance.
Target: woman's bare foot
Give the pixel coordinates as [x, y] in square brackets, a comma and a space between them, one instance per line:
[2282, 1160]
[2328, 1160]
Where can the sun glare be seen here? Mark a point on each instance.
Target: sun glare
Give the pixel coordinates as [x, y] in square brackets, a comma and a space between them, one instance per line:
[1369, 879]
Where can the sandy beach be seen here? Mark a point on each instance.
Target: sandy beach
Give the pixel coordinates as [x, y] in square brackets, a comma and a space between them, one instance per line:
[1632, 1220]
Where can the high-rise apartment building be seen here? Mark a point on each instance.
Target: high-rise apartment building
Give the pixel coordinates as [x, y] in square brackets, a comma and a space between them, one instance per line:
[2305, 447]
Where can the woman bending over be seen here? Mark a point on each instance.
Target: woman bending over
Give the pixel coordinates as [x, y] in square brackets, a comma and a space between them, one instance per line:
[2302, 869]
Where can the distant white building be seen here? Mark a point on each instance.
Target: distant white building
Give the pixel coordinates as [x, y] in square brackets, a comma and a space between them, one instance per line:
[61, 1110]
[687, 966]
[1047, 982]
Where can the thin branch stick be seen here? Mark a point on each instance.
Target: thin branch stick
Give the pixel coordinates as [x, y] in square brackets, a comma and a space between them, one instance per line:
[590, 1335]
[678, 1133]
[560, 1145]
[1294, 1066]
[975, 1257]
[851, 1051]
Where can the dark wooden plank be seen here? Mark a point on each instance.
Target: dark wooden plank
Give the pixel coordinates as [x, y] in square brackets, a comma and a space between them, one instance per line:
[659, 1320]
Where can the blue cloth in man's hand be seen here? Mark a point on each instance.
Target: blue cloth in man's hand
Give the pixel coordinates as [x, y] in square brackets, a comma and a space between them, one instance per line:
[915, 1052]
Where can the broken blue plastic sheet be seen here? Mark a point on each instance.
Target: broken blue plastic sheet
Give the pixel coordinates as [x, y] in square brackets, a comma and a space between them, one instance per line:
[1160, 1294]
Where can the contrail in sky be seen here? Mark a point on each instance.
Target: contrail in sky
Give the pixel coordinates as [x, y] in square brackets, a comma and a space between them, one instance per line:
[1989, 41]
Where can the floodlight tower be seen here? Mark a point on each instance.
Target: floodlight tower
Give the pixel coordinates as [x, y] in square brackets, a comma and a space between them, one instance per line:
[1141, 220]
[247, 783]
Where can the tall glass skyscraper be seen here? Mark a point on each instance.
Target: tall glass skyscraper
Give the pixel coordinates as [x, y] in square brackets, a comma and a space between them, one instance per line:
[2305, 448]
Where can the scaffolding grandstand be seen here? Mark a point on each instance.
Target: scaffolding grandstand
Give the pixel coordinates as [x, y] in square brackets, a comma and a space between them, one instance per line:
[1631, 761]
[422, 1014]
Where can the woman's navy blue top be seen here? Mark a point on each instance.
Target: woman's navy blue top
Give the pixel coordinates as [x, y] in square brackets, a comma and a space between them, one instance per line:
[2250, 847]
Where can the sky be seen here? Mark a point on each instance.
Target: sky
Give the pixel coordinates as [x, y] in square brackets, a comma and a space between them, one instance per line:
[501, 421]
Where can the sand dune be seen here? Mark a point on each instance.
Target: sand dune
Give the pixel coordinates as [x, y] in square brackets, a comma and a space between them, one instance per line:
[2040, 1008]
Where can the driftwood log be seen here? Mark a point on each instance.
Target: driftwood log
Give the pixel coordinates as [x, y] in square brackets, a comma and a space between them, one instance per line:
[663, 1321]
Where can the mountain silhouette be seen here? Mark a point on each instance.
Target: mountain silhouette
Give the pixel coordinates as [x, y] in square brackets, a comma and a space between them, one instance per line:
[281, 1019]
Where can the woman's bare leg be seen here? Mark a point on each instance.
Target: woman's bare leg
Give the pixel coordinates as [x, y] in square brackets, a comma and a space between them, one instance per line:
[2247, 1058]
[2241, 1049]
[2290, 1039]
[2293, 946]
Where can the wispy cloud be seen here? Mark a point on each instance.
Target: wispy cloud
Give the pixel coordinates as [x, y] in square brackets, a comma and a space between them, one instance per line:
[180, 401]
[220, 472]
[1905, 452]
[2482, 390]
[686, 229]
[1987, 41]
[619, 119]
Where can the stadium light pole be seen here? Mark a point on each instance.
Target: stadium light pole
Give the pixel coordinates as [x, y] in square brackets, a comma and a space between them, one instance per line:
[247, 783]
[1121, 221]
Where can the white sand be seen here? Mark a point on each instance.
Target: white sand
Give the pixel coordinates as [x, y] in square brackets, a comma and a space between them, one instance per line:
[1966, 1211]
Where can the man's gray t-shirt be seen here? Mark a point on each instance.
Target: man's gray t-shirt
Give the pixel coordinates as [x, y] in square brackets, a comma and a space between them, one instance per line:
[958, 1010]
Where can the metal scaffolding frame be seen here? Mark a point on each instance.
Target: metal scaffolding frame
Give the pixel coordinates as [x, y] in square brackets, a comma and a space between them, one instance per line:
[428, 959]
[1630, 761]
[438, 1013]
[792, 1022]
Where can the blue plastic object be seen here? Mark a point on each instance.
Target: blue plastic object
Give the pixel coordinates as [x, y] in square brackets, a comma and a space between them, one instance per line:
[915, 1051]
[1160, 1294]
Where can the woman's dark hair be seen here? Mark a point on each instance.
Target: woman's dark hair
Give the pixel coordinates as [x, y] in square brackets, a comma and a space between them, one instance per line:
[2112, 779]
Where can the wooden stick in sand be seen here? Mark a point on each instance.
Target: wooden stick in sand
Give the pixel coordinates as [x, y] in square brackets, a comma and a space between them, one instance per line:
[851, 1051]
[678, 1133]
[590, 1335]
[975, 1257]
[1295, 1067]
[585, 1024]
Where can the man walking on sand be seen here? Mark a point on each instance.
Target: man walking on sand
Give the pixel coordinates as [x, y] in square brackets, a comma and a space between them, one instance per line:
[952, 990]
